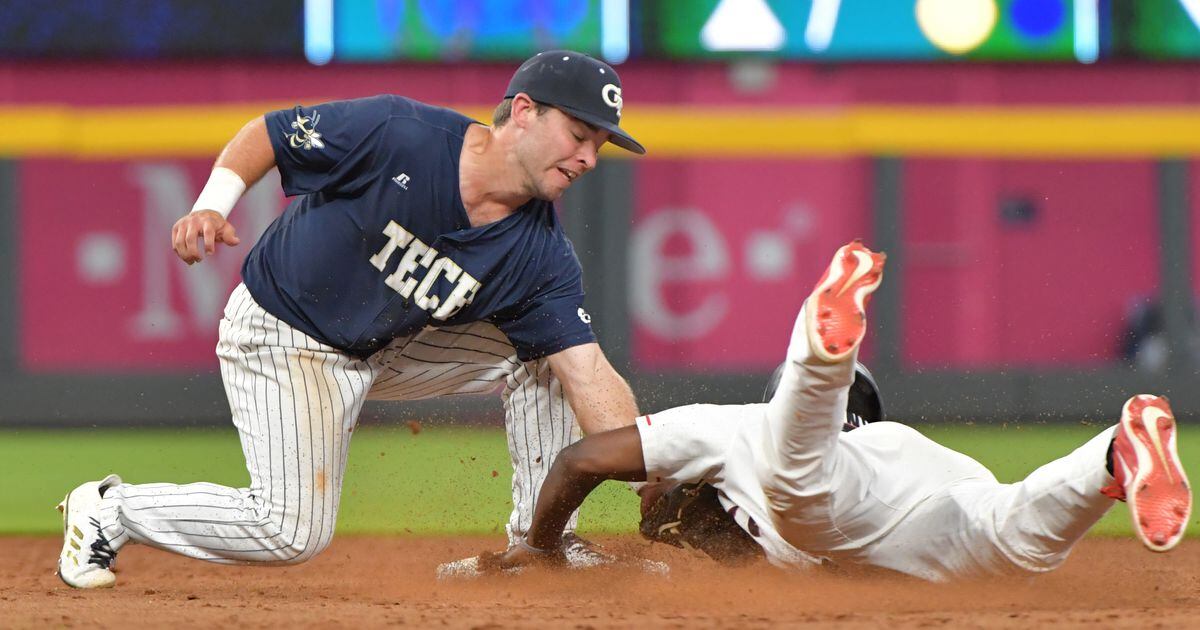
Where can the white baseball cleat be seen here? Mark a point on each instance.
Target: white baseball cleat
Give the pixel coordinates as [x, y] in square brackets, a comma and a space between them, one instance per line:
[836, 314]
[86, 558]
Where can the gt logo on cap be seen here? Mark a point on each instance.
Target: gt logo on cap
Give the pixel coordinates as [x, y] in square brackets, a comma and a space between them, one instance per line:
[612, 97]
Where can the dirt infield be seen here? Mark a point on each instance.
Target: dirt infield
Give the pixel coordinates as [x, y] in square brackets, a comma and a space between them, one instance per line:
[366, 582]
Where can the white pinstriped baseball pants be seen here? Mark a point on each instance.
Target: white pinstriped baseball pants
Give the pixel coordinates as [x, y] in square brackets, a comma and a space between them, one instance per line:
[295, 403]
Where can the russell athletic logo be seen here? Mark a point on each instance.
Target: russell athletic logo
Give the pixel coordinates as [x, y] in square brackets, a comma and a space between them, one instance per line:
[612, 97]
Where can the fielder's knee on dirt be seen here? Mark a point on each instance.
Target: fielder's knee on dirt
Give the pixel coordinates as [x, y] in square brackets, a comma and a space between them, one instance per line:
[299, 552]
[292, 534]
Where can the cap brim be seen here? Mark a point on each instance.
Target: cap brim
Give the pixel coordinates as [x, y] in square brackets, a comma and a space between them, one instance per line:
[616, 135]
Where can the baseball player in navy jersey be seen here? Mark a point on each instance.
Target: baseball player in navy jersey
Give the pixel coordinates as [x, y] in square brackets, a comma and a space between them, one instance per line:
[420, 256]
[881, 495]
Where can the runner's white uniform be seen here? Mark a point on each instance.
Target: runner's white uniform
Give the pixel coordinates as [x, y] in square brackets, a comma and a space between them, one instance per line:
[881, 495]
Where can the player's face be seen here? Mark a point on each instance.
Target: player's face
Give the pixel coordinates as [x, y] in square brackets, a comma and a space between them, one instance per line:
[557, 150]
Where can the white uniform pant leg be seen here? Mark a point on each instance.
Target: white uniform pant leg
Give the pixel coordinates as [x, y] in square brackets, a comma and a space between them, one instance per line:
[540, 425]
[804, 420]
[294, 402]
[474, 359]
[1036, 522]
[979, 527]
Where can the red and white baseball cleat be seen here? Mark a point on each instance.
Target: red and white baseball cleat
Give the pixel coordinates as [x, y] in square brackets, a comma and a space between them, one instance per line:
[836, 310]
[1148, 474]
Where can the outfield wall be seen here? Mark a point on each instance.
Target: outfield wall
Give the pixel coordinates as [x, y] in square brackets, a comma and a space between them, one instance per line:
[1029, 213]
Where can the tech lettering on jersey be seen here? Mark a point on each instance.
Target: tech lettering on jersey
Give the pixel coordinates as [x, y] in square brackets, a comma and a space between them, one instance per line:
[418, 254]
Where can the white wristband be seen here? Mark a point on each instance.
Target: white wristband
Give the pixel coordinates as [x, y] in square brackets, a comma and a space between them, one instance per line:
[222, 191]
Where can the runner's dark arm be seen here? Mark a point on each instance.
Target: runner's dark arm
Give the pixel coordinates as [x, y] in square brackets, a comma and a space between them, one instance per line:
[579, 469]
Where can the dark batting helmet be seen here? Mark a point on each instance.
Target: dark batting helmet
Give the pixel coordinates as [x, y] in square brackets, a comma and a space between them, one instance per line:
[865, 399]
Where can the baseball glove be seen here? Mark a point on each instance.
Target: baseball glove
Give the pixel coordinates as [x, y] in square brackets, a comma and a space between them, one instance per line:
[690, 516]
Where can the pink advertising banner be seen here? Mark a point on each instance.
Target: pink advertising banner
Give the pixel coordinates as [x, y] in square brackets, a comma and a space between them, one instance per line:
[1007, 262]
[100, 288]
[722, 254]
[719, 270]
[1026, 263]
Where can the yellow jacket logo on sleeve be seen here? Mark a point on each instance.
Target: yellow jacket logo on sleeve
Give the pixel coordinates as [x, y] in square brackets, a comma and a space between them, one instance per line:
[306, 135]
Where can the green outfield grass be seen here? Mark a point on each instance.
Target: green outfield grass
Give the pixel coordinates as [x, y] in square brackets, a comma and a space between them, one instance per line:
[439, 481]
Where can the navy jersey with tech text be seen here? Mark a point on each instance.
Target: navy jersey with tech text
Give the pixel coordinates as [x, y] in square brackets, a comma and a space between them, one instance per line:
[377, 244]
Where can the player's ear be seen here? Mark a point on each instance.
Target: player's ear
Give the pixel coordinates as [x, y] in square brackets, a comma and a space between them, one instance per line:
[524, 110]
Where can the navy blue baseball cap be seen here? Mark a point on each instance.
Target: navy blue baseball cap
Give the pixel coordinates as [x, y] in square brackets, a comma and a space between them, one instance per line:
[579, 85]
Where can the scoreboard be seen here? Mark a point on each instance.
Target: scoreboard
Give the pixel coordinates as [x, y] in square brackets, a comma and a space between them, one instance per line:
[873, 30]
[1084, 31]
[833, 31]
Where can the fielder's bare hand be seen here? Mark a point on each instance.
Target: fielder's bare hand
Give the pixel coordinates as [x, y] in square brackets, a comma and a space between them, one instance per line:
[197, 234]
